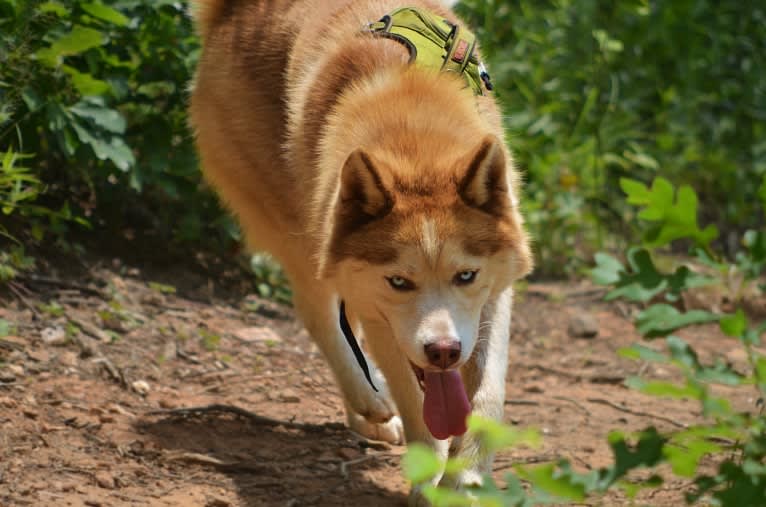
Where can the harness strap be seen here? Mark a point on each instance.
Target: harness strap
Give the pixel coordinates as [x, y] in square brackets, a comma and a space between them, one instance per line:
[351, 339]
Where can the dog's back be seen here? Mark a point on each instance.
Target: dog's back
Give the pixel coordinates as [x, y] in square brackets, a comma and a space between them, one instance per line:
[270, 73]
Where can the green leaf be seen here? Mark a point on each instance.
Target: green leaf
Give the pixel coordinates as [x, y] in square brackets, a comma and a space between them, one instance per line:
[32, 99]
[111, 148]
[443, 497]
[86, 84]
[685, 459]
[637, 192]
[643, 353]
[5, 328]
[607, 270]
[647, 452]
[664, 389]
[104, 13]
[162, 288]
[80, 39]
[663, 319]
[495, 436]
[420, 464]
[53, 8]
[734, 325]
[106, 118]
[552, 481]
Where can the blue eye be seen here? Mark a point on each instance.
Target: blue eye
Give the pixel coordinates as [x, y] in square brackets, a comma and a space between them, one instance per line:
[465, 277]
[400, 283]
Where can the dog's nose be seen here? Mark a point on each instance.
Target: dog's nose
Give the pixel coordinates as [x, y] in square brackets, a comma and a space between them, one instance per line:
[443, 353]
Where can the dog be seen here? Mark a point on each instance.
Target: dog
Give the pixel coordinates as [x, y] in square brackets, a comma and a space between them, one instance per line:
[383, 186]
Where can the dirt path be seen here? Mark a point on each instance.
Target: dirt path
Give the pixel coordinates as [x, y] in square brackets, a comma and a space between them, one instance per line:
[88, 359]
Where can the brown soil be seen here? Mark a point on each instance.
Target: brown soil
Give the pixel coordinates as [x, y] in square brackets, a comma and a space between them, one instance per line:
[92, 357]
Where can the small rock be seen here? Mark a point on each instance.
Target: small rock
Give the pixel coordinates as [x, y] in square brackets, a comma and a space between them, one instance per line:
[30, 412]
[288, 396]
[217, 502]
[583, 325]
[141, 387]
[39, 355]
[349, 453]
[168, 403]
[54, 336]
[106, 418]
[7, 376]
[16, 369]
[68, 358]
[104, 479]
[257, 334]
[7, 402]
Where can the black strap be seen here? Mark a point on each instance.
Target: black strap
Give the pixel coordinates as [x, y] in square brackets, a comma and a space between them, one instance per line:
[351, 339]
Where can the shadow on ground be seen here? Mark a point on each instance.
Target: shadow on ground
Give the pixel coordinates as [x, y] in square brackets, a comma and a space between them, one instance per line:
[323, 465]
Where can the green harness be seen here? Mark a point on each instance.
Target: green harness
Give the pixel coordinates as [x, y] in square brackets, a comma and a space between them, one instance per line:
[434, 42]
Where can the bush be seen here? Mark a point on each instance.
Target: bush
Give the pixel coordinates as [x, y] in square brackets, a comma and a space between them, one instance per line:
[97, 91]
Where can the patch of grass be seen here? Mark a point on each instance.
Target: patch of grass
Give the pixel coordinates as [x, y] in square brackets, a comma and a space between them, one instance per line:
[53, 309]
[162, 288]
[210, 341]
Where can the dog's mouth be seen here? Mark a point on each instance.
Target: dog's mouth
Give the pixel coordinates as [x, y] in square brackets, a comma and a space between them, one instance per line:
[445, 401]
[419, 376]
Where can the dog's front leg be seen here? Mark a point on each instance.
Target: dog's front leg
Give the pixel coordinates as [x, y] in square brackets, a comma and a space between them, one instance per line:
[484, 378]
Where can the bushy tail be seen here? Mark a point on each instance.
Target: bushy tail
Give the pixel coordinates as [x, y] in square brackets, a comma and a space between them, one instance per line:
[205, 13]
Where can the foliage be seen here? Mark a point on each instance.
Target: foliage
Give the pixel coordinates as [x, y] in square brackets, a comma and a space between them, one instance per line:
[598, 90]
[733, 440]
[97, 91]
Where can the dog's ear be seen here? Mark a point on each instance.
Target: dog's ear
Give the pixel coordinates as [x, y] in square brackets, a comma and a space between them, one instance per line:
[485, 181]
[363, 187]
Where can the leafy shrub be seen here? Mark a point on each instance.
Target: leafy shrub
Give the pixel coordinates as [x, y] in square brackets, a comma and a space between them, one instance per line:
[98, 92]
[735, 440]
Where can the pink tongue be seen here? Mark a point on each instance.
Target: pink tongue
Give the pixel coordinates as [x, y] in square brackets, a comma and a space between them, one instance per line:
[446, 405]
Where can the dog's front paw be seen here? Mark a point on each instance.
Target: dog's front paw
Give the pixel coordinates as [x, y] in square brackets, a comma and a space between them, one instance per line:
[391, 431]
[375, 407]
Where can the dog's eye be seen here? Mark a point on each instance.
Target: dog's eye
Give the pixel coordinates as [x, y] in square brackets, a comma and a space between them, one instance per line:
[400, 283]
[465, 277]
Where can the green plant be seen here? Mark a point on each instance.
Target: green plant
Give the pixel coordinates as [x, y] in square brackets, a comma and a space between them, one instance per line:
[97, 91]
[271, 281]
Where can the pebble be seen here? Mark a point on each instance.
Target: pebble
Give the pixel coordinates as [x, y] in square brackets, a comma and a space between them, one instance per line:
[104, 479]
[288, 396]
[68, 358]
[7, 402]
[141, 387]
[54, 336]
[583, 325]
[7, 376]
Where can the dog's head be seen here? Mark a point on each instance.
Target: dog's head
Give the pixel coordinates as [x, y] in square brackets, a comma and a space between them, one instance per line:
[423, 242]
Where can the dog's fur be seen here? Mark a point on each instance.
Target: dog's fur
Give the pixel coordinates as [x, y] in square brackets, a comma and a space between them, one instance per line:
[349, 166]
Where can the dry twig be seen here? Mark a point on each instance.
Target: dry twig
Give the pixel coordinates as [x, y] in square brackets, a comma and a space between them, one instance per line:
[636, 412]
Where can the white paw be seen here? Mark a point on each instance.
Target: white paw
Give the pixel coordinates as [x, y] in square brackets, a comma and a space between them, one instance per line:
[391, 431]
[375, 407]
